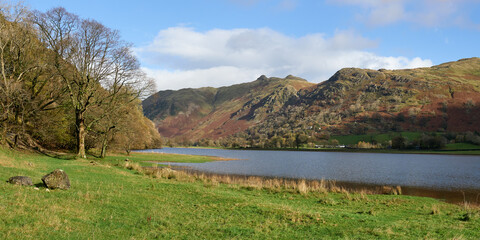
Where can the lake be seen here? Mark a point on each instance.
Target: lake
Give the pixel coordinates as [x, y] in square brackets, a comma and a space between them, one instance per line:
[440, 172]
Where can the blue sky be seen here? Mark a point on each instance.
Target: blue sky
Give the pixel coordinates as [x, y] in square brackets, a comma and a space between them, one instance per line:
[197, 43]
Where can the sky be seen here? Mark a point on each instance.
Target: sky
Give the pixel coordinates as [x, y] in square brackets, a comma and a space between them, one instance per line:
[200, 43]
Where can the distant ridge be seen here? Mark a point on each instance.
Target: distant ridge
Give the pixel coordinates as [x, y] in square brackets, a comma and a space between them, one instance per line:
[444, 97]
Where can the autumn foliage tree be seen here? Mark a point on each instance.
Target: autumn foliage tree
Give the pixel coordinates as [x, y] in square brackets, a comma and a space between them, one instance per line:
[68, 83]
[28, 89]
[97, 68]
[134, 131]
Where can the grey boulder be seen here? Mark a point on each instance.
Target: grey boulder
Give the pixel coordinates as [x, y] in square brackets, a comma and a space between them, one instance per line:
[20, 180]
[57, 179]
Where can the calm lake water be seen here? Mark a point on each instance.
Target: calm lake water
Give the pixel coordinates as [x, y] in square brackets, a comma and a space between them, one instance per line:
[447, 172]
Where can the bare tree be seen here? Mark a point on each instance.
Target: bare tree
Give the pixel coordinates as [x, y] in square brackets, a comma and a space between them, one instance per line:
[97, 68]
[25, 83]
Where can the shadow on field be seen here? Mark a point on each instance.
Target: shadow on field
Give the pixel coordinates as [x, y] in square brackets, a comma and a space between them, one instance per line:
[40, 185]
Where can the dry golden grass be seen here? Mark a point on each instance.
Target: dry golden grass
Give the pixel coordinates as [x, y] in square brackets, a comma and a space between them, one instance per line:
[390, 190]
[131, 166]
[6, 161]
[11, 163]
[435, 209]
[301, 186]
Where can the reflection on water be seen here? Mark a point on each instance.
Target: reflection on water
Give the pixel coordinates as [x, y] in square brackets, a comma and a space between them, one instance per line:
[417, 171]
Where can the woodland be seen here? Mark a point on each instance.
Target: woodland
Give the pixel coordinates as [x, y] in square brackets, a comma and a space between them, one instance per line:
[69, 84]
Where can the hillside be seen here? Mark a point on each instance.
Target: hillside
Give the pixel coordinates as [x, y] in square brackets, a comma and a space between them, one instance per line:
[353, 101]
[220, 112]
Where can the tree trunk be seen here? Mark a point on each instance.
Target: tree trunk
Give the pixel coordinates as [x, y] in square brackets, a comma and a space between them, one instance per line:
[15, 141]
[80, 120]
[127, 149]
[103, 154]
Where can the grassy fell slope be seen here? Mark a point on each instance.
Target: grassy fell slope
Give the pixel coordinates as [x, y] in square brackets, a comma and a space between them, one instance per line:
[359, 101]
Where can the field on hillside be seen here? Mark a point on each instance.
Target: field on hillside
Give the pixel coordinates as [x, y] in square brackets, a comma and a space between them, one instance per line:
[385, 137]
[112, 202]
[380, 138]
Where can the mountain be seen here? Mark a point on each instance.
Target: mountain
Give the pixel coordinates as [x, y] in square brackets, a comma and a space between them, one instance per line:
[219, 112]
[445, 97]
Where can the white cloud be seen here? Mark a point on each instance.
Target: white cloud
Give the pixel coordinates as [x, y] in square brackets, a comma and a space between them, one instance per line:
[182, 57]
[430, 13]
[197, 78]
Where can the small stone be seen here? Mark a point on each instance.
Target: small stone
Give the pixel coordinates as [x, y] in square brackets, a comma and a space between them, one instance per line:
[56, 179]
[20, 180]
[36, 188]
[47, 190]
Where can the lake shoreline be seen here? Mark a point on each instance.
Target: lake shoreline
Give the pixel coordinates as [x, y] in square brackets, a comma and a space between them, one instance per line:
[212, 158]
[424, 171]
[462, 152]
[452, 195]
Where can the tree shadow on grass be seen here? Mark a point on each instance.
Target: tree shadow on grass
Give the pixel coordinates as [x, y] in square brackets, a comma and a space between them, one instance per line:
[57, 155]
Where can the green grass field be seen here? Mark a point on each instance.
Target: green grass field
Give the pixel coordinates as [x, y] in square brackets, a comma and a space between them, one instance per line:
[148, 159]
[111, 202]
[385, 137]
[380, 138]
[461, 146]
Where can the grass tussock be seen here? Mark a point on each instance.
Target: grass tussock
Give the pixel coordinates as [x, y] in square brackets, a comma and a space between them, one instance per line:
[249, 182]
[435, 209]
[470, 211]
[300, 186]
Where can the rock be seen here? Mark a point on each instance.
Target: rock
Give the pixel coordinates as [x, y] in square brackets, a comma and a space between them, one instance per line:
[56, 179]
[262, 78]
[20, 180]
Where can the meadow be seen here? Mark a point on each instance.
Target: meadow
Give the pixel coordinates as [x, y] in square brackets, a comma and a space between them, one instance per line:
[118, 199]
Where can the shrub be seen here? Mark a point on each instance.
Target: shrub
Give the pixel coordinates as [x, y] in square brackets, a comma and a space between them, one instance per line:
[399, 142]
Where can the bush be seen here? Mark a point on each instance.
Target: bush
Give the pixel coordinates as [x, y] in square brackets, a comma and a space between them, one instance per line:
[430, 142]
[399, 142]
[368, 145]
